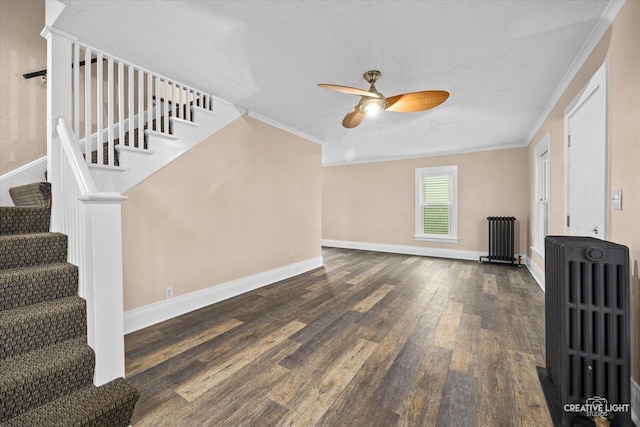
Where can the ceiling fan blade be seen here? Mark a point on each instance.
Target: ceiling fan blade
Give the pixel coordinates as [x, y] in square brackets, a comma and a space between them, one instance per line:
[353, 118]
[416, 101]
[349, 90]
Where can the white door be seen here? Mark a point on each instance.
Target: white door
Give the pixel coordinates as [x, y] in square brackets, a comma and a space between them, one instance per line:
[586, 159]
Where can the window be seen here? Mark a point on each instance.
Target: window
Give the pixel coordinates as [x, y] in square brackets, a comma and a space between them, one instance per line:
[541, 201]
[436, 204]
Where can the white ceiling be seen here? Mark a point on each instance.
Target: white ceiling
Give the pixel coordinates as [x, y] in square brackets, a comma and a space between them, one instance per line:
[500, 60]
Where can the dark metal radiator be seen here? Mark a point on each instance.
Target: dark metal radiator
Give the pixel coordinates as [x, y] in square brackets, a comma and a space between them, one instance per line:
[501, 239]
[587, 329]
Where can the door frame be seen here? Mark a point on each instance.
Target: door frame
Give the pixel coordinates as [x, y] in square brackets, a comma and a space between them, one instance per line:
[599, 79]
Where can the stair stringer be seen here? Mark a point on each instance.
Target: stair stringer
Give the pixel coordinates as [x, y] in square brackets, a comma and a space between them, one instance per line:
[136, 165]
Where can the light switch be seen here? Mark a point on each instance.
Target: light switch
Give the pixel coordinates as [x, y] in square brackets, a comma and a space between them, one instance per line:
[616, 200]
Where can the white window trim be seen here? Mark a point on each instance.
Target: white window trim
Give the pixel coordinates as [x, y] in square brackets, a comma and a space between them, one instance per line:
[452, 171]
[541, 148]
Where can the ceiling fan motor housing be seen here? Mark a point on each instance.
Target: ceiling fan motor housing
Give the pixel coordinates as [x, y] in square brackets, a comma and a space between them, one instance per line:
[372, 104]
[372, 76]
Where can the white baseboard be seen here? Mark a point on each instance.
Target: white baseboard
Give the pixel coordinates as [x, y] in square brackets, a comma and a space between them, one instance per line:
[635, 402]
[406, 250]
[536, 273]
[143, 317]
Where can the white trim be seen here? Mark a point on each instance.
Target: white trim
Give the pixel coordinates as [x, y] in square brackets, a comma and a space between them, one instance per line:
[536, 272]
[537, 251]
[23, 168]
[184, 122]
[543, 146]
[436, 239]
[405, 250]
[635, 402]
[279, 125]
[129, 149]
[48, 30]
[25, 174]
[167, 136]
[420, 173]
[98, 166]
[143, 317]
[601, 27]
[427, 155]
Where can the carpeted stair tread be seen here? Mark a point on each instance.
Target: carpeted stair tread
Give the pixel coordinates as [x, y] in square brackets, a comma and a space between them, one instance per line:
[36, 194]
[30, 327]
[23, 250]
[37, 283]
[35, 378]
[109, 405]
[46, 365]
[24, 219]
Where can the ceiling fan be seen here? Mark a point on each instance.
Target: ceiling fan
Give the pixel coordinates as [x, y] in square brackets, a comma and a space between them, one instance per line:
[372, 101]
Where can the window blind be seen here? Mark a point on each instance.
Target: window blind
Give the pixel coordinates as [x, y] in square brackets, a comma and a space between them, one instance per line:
[436, 205]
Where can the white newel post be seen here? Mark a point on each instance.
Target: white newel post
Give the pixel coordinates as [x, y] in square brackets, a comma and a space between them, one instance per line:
[59, 104]
[103, 277]
[91, 219]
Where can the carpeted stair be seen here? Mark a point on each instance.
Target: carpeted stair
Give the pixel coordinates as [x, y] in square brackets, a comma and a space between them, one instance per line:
[46, 365]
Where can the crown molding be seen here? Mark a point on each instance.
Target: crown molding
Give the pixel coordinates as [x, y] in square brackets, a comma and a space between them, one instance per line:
[601, 27]
[423, 155]
[279, 125]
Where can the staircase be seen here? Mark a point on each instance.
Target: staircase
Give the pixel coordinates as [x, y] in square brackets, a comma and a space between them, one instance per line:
[46, 365]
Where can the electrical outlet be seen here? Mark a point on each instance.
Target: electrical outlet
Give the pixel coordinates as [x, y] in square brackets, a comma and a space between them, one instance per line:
[168, 293]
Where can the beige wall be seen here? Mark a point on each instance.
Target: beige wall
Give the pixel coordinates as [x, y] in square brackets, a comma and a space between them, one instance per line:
[374, 202]
[244, 201]
[23, 103]
[620, 46]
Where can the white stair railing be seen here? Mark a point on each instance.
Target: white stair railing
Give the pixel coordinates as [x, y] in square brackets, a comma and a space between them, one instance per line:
[112, 97]
[88, 111]
[92, 222]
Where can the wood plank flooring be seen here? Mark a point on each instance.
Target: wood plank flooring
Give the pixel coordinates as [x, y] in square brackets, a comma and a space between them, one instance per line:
[370, 339]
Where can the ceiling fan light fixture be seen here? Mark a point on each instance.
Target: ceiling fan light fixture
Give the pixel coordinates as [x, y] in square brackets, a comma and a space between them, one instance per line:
[372, 101]
[371, 106]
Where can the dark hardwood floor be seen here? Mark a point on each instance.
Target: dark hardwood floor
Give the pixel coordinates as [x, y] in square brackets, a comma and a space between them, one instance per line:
[371, 339]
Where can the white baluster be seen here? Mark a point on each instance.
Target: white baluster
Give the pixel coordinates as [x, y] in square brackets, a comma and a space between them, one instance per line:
[76, 88]
[149, 102]
[121, 129]
[179, 103]
[110, 111]
[140, 109]
[88, 143]
[158, 113]
[174, 102]
[166, 106]
[99, 109]
[131, 111]
[189, 100]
